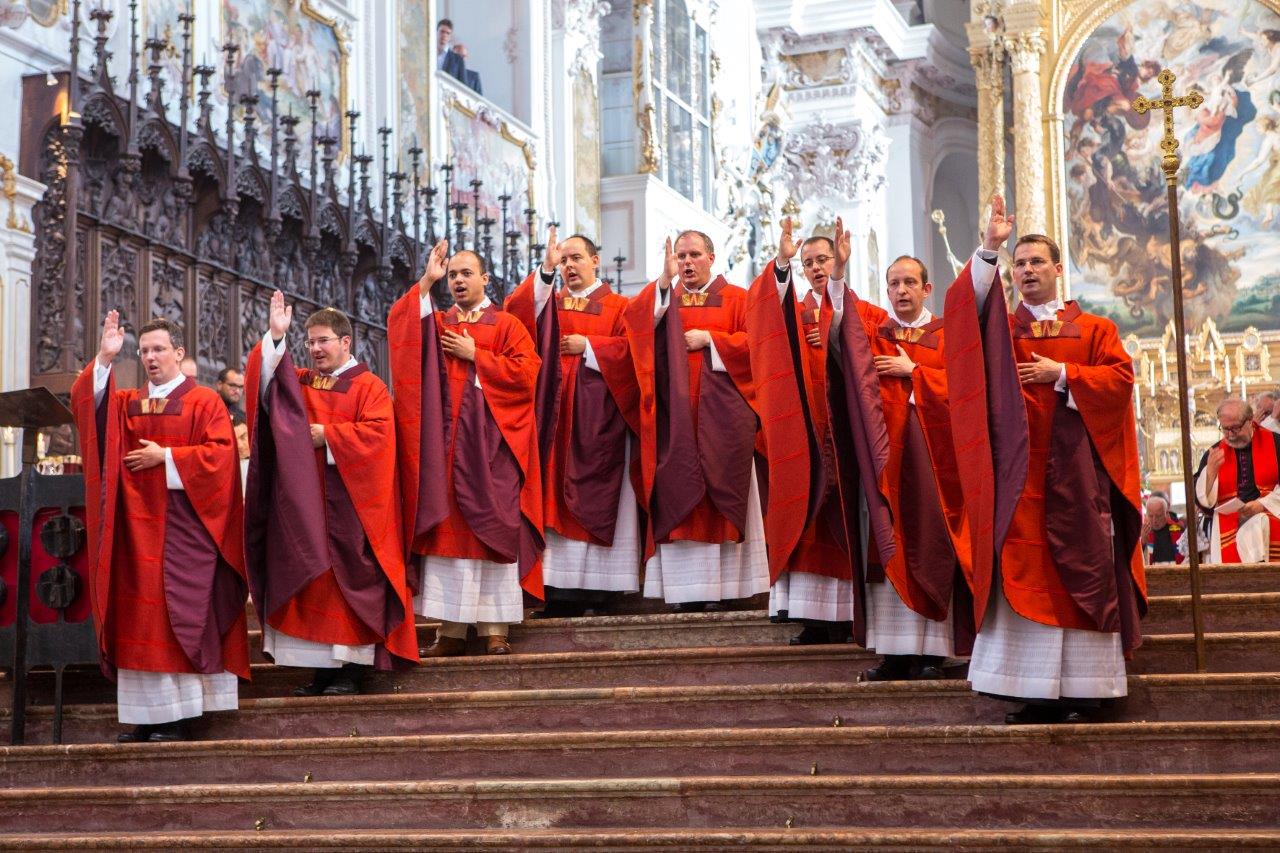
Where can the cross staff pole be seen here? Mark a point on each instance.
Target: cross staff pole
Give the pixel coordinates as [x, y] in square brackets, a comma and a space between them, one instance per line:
[1170, 163]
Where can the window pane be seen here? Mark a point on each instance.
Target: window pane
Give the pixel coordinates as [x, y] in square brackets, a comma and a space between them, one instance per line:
[615, 37]
[617, 125]
[701, 72]
[704, 167]
[679, 152]
[679, 65]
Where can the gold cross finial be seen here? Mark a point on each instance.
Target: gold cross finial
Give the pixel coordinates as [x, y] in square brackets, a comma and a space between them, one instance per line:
[1168, 103]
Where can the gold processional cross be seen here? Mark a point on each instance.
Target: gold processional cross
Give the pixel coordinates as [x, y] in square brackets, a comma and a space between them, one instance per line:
[1168, 103]
[1169, 163]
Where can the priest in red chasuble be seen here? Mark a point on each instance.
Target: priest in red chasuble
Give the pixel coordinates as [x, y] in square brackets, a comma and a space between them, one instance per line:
[588, 413]
[168, 585]
[323, 537]
[1239, 477]
[1042, 415]
[705, 542]
[793, 334]
[470, 477]
[919, 606]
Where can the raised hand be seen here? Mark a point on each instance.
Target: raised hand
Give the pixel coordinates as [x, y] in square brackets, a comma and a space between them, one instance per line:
[552, 258]
[844, 248]
[999, 226]
[437, 266]
[1216, 457]
[786, 243]
[280, 318]
[670, 266]
[112, 338]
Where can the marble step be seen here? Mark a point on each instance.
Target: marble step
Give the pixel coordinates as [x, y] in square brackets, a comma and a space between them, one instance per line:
[1090, 749]
[1004, 801]
[1254, 611]
[708, 840]
[1214, 578]
[620, 633]
[1223, 612]
[1166, 653]
[1169, 698]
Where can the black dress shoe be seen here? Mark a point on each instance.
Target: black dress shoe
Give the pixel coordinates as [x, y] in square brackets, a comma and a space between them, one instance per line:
[139, 734]
[169, 733]
[691, 607]
[715, 606]
[812, 635]
[321, 680]
[1032, 715]
[346, 681]
[929, 668]
[892, 668]
[342, 685]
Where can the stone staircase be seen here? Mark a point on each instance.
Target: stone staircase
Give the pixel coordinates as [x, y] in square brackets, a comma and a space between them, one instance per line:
[707, 731]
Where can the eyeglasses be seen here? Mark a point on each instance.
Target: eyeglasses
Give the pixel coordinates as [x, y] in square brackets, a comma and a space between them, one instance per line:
[319, 342]
[239, 385]
[819, 260]
[1232, 430]
[143, 352]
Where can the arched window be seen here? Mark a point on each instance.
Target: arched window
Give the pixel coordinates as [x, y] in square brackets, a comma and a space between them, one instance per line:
[679, 81]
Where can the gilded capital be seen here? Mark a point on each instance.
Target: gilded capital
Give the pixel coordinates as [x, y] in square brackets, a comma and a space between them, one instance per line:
[1025, 49]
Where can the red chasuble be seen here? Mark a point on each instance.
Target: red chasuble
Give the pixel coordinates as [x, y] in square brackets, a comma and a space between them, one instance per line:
[922, 482]
[697, 427]
[470, 475]
[585, 416]
[1064, 511]
[324, 542]
[804, 511]
[168, 582]
[1265, 454]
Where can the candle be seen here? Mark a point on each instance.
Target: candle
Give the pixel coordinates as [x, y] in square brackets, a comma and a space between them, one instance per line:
[1213, 362]
[1137, 404]
[1226, 369]
[1152, 377]
[1244, 389]
[1164, 364]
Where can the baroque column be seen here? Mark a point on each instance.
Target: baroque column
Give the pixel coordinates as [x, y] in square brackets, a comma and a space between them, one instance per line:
[642, 73]
[582, 51]
[987, 57]
[1026, 48]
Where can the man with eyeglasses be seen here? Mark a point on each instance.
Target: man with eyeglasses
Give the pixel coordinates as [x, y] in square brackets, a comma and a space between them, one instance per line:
[588, 415]
[168, 585]
[322, 516]
[1238, 477]
[464, 381]
[230, 388]
[1042, 414]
